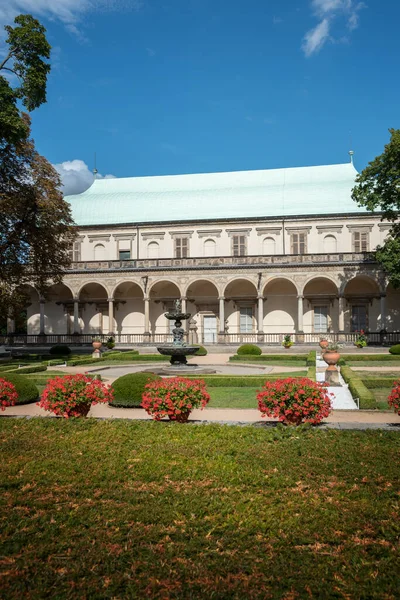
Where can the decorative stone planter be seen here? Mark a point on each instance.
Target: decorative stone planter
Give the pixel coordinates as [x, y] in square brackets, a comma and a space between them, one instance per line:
[183, 417]
[323, 344]
[331, 357]
[97, 345]
[83, 409]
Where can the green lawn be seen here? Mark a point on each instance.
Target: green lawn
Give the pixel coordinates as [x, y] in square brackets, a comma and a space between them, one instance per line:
[155, 510]
[381, 396]
[233, 397]
[372, 363]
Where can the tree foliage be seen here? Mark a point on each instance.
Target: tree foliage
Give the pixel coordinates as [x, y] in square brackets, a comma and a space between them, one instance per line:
[378, 189]
[35, 222]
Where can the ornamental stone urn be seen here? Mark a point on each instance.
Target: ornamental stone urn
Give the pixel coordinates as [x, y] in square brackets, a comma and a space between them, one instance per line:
[323, 343]
[331, 357]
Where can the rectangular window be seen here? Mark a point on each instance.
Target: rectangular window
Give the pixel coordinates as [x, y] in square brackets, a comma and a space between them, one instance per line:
[299, 243]
[124, 255]
[239, 245]
[181, 247]
[320, 319]
[246, 319]
[75, 252]
[358, 317]
[360, 241]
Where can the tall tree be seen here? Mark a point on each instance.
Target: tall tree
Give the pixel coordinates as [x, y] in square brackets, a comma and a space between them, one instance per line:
[378, 189]
[36, 228]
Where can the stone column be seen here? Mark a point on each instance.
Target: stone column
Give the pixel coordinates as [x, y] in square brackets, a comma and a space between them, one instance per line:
[41, 318]
[10, 326]
[147, 318]
[77, 329]
[260, 322]
[341, 314]
[300, 314]
[383, 312]
[111, 316]
[221, 332]
[184, 309]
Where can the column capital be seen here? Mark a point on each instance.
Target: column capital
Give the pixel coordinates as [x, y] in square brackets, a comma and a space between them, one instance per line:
[146, 298]
[221, 298]
[383, 295]
[76, 299]
[110, 299]
[260, 297]
[183, 297]
[300, 297]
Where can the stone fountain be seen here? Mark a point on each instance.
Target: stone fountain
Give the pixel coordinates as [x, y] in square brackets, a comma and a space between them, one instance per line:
[179, 350]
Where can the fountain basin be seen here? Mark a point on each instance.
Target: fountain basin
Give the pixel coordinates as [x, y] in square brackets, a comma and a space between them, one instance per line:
[177, 353]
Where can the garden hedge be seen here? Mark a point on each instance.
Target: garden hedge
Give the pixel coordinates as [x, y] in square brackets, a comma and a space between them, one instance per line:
[60, 350]
[311, 358]
[373, 383]
[312, 373]
[128, 389]
[56, 362]
[201, 351]
[8, 367]
[242, 380]
[395, 350]
[370, 357]
[249, 349]
[26, 389]
[358, 388]
[270, 358]
[32, 369]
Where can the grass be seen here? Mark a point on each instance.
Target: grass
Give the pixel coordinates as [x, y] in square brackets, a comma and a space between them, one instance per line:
[233, 397]
[372, 364]
[381, 396]
[272, 363]
[155, 510]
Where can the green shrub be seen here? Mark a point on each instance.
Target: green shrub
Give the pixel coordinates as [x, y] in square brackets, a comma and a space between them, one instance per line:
[121, 356]
[77, 362]
[56, 362]
[201, 351]
[31, 369]
[26, 389]
[374, 383]
[249, 349]
[270, 358]
[370, 357]
[60, 350]
[395, 349]
[360, 391]
[8, 367]
[235, 381]
[110, 343]
[348, 374]
[311, 358]
[128, 389]
[312, 373]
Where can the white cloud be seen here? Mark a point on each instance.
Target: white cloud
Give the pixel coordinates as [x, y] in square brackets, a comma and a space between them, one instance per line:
[69, 12]
[316, 38]
[76, 176]
[327, 11]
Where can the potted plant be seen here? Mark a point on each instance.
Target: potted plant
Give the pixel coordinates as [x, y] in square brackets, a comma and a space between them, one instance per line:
[323, 342]
[331, 355]
[295, 400]
[361, 340]
[73, 395]
[287, 341]
[97, 343]
[110, 343]
[174, 398]
[8, 394]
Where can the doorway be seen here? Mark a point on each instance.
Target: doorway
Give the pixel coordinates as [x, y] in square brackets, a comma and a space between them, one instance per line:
[210, 329]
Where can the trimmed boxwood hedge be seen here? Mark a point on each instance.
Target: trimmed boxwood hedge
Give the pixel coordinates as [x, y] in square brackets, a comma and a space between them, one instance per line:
[60, 350]
[312, 373]
[242, 380]
[270, 358]
[395, 350]
[370, 357]
[311, 358]
[201, 351]
[128, 389]
[373, 383]
[358, 388]
[249, 349]
[32, 369]
[26, 389]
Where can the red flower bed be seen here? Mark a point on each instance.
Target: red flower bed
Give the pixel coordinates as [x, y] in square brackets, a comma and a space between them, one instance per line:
[73, 395]
[295, 400]
[175, 398]
[8, 394]
[394, 397]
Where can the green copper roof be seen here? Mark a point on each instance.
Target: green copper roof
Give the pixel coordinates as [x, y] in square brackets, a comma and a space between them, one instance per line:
[242, 194]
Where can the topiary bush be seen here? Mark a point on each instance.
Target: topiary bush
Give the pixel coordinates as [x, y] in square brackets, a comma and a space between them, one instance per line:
[128, 389]
[25, 388]
[201, 351]
[32, 369]
[60, 350]
[395, 349]
[249, 349]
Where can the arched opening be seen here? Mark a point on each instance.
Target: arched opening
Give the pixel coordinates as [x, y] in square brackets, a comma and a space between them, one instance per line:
[162, 297]
[209, 248]
[330, 244]
[320, 306]
[59, 310]
[280, 306]
[392, 308]
[153, 250]
[25, 314]
[128, 309]
[93, 307]
[241, 307]
[99, 252]
[268, 246]
[362, 304]
[202, 304]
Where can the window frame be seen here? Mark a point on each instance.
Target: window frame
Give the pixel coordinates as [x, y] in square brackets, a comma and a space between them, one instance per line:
[181, 247]
[239, 247]
[362, 243]
[297, 240]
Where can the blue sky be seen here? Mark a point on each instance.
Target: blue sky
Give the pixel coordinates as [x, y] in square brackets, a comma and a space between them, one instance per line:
[180, 86]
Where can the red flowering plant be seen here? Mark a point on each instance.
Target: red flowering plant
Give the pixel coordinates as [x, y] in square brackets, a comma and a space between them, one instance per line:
[8, 394]
[295, 400]
[394, 397]
[174, 397]
[73, 395]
